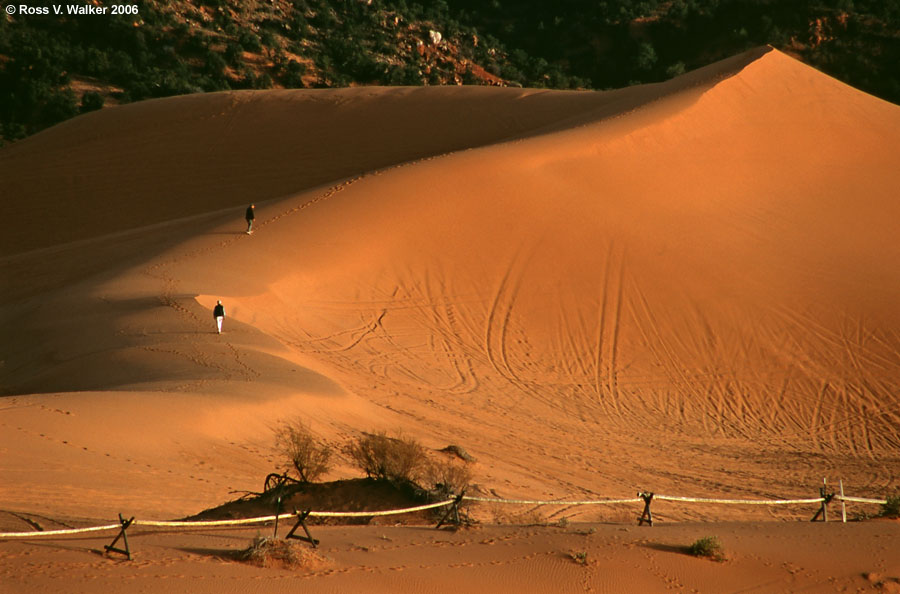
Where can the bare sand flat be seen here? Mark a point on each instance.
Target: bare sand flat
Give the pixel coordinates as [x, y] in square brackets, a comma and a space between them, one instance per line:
[766, 557]
[689, 288]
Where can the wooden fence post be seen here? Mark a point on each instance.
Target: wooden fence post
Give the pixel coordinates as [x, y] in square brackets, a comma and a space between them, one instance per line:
[843, 504]
[646, 516]
[454, 510]
[826, 499]
[277, 513]
[301, 521]
[111, 548]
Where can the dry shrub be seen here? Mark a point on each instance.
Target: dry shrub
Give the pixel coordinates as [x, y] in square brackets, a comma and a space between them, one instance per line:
[709, 547]
[309, 456]
[448, 477]
[382, 457]
[891, 507]
[579, 557]
[269, 552]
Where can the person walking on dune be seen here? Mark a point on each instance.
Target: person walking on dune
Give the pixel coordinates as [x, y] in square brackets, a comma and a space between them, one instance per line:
[219, 315]
[250, 216]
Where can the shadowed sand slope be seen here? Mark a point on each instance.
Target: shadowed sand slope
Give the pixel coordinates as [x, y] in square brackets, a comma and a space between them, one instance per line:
[690, 286]
[160, 160]
[170, 158]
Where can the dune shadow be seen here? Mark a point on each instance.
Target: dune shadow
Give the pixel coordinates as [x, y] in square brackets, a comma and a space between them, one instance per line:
[666, 548]
[126, 343]
[213, 553]
[65, 545]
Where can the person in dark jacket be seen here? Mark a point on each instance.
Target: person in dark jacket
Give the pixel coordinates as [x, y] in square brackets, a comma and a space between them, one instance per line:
[250, 216]
[219, 315]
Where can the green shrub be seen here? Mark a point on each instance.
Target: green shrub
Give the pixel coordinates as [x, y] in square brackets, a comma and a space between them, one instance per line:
[579, 557]
[263, 81]
[12, 131]
[676, 69]
[268, 41]
[891, 508]
[91, 101]
[292, 74]
[709, 547]
[308, 456]
[58, 106]
[249, 41]
[382, 457]
[234, 54]
[214, 65]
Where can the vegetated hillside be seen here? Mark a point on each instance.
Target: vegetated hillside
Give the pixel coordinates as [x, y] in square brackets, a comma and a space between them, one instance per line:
[53, 67]
[618, 42]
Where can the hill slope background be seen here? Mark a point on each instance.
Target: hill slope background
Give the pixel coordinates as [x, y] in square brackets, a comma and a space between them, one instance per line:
[55, 66]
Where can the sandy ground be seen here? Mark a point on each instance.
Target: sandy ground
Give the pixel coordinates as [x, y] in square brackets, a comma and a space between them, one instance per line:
[578, 558]
[688, 288]
[769, 557]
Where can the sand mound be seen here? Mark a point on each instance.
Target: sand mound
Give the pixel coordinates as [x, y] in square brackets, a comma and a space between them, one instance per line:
[688, 286]
[267, 552]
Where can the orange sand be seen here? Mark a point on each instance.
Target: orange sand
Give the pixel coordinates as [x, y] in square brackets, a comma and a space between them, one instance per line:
[688, 287]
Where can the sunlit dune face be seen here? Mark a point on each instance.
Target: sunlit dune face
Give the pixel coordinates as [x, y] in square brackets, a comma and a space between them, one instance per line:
[690, 286]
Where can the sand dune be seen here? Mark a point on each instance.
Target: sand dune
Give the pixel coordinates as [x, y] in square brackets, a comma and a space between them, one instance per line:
[687, 287]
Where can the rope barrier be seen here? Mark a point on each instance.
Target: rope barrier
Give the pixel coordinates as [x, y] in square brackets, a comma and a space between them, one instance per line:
[60, 532]
[861, 499]
[368, 514]
[530, 502]
[739, 501]
[391, 512]
[241, 522]
[208, 523]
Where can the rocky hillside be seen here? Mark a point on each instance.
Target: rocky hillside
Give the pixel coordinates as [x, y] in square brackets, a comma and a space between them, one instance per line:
[54, 66]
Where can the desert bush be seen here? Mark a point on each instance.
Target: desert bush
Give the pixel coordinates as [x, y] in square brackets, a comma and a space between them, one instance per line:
[59, 105]
[308, 456]
[214, 66]
[263, 81]
[249, 41]
[448, 477]
[91, 101]
[891, 508]
[263, 551]
[579, 557]
[676, 69]
[234, 54]
[709, 547]
[388, 458]
[269, 552]
[269, 42]
[292, 74]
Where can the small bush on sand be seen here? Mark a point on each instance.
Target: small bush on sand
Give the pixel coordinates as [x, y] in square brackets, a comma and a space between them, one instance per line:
[269, 552]
[709, 547]
[309, 457]
[382, 457]
[579, 557]
[448, 477]
[891, 509]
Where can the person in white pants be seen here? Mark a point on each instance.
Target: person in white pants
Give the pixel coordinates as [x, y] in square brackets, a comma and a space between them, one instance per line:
[219, 314]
